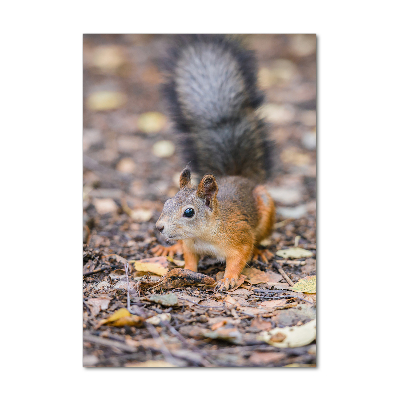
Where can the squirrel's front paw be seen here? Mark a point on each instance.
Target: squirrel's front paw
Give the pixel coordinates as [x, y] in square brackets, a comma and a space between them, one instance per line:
[167, 251]
[225, 284]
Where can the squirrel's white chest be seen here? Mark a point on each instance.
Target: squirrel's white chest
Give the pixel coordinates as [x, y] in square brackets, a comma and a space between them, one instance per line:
[204, 248]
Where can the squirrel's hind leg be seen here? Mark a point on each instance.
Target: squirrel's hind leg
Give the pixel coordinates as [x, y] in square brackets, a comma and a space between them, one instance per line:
[263, 255]
[168, 251]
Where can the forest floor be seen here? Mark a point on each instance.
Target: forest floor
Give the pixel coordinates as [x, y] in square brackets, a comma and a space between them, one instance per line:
[131, 167]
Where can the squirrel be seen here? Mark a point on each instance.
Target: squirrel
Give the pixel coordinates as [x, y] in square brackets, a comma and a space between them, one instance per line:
[212, 93]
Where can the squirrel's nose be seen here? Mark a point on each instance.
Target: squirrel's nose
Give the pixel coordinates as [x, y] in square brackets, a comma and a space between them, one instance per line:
[160, 227]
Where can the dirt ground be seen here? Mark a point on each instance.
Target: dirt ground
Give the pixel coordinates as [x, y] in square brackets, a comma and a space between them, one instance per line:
[131, 167]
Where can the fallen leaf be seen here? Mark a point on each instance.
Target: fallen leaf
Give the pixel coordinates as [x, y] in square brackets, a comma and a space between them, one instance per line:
[226, 334]
[271, 305]
[122, 317]
[255, 275]
[179, 263]
[163, 149]
[230, 302]
[306, 285]
[218, 325]
[155, 265]
[261, 324]
[157, 319]
[117, 274]
[295, 336]
[151, 364]
[151, 122]
[302, 313]
[262, 358]
[99, 303]
[294, 252]
[168, 300]
[106, 100]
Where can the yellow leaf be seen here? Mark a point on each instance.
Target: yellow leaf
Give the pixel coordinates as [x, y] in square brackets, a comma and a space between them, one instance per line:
[122, 312]
[156, 265]
[306, 285]
[122, 317]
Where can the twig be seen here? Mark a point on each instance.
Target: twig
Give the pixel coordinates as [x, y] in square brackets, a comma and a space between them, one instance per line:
[163, 348]
[283, 273]
[95, 271]
[137, 310]
[200, 305]
[192, 347]
[107, 342]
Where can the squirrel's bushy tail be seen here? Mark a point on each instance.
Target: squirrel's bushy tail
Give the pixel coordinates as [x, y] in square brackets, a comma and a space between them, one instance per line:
[211, 89]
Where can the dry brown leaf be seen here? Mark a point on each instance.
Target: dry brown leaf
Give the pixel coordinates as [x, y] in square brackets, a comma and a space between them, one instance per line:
[261, 324]
[99, 303]
[261, 358]
[218, 325]
[255, 275]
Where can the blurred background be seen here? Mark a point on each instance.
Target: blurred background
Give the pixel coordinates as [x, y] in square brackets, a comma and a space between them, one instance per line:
[131, 163]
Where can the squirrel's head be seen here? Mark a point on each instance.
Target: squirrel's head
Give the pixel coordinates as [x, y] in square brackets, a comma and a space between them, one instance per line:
[191, 210]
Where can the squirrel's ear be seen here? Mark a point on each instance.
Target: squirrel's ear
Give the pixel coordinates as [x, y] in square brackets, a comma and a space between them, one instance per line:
[207, 189]
[184, 179]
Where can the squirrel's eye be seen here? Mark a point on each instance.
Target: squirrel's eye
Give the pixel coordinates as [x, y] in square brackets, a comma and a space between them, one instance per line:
[188, 213]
